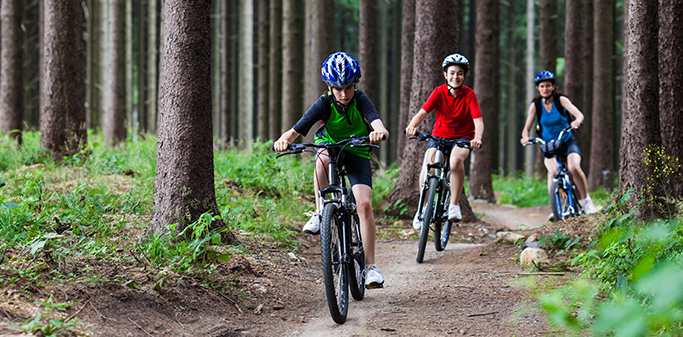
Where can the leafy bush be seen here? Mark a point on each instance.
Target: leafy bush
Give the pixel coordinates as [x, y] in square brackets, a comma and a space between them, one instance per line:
[521, 191]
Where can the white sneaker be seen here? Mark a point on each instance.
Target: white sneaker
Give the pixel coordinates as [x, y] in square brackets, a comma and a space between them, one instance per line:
[417, 223]
[373, 277]
[589, 207]
[454, 213]
[313, 225]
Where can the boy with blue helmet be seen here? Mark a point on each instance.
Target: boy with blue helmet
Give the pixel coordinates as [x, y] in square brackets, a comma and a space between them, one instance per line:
[344, 111]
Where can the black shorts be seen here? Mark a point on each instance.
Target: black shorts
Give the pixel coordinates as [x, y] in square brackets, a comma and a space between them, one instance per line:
[571, 147]
[433, 144]
[358, 169]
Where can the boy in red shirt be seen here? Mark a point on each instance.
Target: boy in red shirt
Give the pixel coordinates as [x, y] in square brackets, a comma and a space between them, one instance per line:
[457, 117]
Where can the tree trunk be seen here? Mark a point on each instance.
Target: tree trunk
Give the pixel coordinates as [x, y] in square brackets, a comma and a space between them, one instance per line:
[407, 45]
[432, 43]
[31, 64]
[603, 90]
[62, 122]
[184, 185]
[292, 70]
[640, 122]
[381, 101]
[115, 93]
[529, 80]
[368, 49]
[548, 35]
[141, 60]
[394, 78]
[152, 66]
[574, 74]
[513, 114]
[11, 89]
[246, 75]
[275, 72]
[671, 90]
[587, 85]
[132, 123]
[264, 85]
[484, 85]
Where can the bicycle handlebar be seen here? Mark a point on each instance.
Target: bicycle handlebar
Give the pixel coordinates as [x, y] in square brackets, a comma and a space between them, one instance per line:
[354, 141]
[465, 144]
[541, 141]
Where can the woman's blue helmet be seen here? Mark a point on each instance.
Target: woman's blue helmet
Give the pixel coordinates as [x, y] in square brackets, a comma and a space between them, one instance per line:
[340, 70]
[544, 75]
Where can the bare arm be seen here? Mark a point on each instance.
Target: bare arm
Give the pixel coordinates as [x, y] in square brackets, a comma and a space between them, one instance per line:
[578, 116]
[281, 144]
[380, 131]
[415, 122]
[527, 126]
[478, 133]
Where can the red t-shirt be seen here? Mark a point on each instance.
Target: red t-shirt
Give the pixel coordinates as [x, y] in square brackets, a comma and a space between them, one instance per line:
[454, 116]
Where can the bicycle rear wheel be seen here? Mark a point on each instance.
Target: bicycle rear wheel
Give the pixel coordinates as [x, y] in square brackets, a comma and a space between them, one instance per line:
[559, 201]
[426, 220]
[334, 270]
[356, 272]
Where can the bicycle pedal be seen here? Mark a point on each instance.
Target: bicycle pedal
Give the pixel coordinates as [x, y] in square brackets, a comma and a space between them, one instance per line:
[374, 286]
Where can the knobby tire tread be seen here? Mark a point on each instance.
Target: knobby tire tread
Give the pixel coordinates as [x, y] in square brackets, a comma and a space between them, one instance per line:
[327, 227]
[426, 220]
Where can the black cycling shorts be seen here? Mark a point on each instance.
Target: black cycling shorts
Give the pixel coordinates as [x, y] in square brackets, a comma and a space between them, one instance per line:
[358, 169]
[433, 144]
[572, 147]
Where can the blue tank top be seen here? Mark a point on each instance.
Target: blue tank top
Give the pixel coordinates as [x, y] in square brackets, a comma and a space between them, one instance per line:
[552, 123]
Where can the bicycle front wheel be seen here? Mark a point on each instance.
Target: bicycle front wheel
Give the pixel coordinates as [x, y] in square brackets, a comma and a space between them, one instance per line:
[356, 271]
[427, 214]
[441, 239]
[334, 270]
[559, 201]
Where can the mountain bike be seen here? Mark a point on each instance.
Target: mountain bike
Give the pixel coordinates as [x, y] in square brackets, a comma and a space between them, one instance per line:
[436, 195]
[343, 258]
[563, 193]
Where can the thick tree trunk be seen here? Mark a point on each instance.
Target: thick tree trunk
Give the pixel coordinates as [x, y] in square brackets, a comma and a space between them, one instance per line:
[292, 69]
[671, 90]
[587, 85]
[11, 89]
[62, 122]
[184, 186]
[603, 90]
[485, 87]
[368, 49]
[407, 45]
[264, 86]
[275, 72]
[432, 43]
[548, 35]
[31, 63]
[640, 123]
[115, 93]
[245, 107]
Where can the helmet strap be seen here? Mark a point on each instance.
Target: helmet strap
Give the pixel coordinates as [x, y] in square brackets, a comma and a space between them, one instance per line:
[453, 88]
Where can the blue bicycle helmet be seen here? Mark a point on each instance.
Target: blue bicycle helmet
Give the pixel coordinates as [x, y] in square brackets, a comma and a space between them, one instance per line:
[456, 59]
[340, 70]
[544, 75]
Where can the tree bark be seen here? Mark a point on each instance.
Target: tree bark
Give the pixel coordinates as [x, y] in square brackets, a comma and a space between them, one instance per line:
[275, 72]
[11, 89]
[245, 107]
[115, 93]
[132, 123]
[513, 114]
[485, 87]
[184, 185]
[292, 69]
[640, 122]
[141, 105]
[603, 90]
[152, 66]
[432, 44]
[368, 49]
[263, 105]
[548, 35]
[62, 122]
[407, 45]
[31, 63]
[671, 90]
[587, 82]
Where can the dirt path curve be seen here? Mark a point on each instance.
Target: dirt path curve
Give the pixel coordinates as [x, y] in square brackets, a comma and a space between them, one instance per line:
[468, 289]
[511, 217]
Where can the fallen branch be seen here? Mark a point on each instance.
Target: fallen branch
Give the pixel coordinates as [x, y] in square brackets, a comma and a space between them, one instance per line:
[542, 273]
[139, 327]
[483, 314]
[77, 312]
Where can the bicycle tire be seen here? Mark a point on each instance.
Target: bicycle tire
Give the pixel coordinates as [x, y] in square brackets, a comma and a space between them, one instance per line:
[439, 223]
[558, 200]
[577, 206]
[334, 270]
[426, 220]
[356, 272]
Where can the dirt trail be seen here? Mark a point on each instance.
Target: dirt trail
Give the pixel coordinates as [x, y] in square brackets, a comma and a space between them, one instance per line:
[511, 217]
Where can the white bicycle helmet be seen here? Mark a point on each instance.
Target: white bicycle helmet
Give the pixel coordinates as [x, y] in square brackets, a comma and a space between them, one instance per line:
[456, 59]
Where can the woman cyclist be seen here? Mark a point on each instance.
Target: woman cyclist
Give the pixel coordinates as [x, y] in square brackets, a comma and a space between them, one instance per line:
[551, 108]
[457, 117]
[344, 111]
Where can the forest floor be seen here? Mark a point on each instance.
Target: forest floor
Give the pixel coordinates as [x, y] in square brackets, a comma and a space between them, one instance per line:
[475, 287]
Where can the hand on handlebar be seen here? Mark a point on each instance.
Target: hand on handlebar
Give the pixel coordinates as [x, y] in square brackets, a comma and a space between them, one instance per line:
[410, 131]
[281, 145]
[475, 143]
[377, 136]
[524, 140]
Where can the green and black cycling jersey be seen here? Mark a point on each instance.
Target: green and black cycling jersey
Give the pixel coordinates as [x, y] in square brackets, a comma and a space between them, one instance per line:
[336, 125]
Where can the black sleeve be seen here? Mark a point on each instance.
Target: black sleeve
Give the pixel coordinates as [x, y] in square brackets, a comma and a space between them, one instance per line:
[365, 107]
[314, 114]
